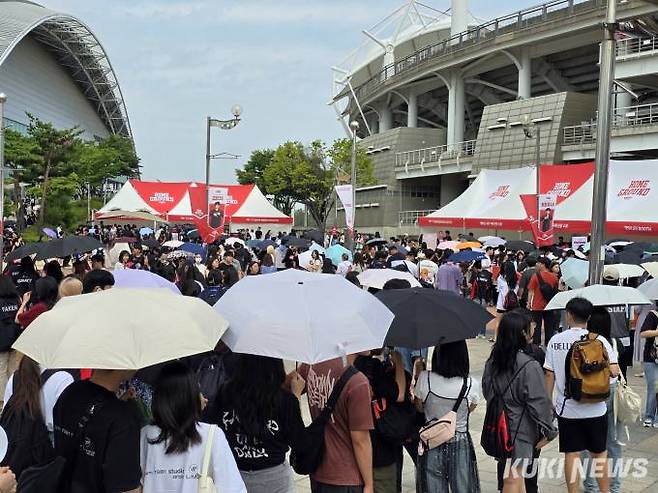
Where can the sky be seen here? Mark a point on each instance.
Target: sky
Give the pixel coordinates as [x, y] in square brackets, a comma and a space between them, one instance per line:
[179, 61]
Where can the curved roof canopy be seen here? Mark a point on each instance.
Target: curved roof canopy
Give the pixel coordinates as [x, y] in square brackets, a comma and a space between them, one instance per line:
[75, 48]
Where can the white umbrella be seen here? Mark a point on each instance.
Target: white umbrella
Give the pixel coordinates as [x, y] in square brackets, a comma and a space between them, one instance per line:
[233, 240]
[317, 248]
[600, 295]
[494, 241]
[304, 259]
[413, 268]
[575, 272]
[133, 278]
[620, 244]
[376, 278]
[627, 270]
[173, 243]
[649, 289]
[303, 317]
[121, 329]
[651, 268]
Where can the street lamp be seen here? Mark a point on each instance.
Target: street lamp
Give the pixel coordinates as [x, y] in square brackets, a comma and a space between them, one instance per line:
[3, 100]
[222, 125]
[354, 126]
[532, 131]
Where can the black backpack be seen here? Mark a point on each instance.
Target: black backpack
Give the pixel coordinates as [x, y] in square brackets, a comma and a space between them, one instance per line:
[547, 291]
[308, 462]
[496, 438]
[211, 376]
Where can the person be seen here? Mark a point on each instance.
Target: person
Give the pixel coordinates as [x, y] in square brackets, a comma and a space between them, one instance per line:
[344, 266]
[7, 480]
[216, 216]
[176, 441]
[527, 274]
[26, 276]
[538, 302]
[507, 281]
[649, 332]
[481, 285]
[70, 286]
[347, 462]
[291, 259]
[547, 220]
[31, 393]
[449, 277]
[54, 270]
[137, 259]
[215, 288]
[254, 268]
[600, 322]
[262, 422]
[198, 265]
[359, 264]
[124, 259]
[9, 329]
[519, 380]
[620, 328]
[97, 261]
[582, 425]
[99, 434]
[315, 264]
[452, 466]
[97, 280]
[267, 266]
[41, 299]
[328, 267]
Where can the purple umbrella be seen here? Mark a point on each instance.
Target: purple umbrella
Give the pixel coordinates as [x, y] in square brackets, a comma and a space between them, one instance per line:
[131, 278]
[49, 232]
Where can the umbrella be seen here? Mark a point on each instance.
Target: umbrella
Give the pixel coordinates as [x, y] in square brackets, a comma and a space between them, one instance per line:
[265, 243]
[619, 244]
[314, 235]
[447, 245]
[629, 256]
[468, 244]
[600, 295]
[179, 254]
[402, 250]
[233, 240]
[466, 256]
[302, 317]
[376, 278]
[151, 243]
[524, 246]
[49, 232]
[130, 278]
[173, 243]
[335, 254]
[649, 289]
[193, 234]
[194, 248]
[304, 259]
[575, 272]
[408, 265]
[24, 251]
[580, 255]
[494, 242]
[376, 242]
[145, 231]
[427, 317]
[293, 241]
[317, 248]
[121, 329]
[651, 268]
[69, 245]
[253, 243]
[627, 270]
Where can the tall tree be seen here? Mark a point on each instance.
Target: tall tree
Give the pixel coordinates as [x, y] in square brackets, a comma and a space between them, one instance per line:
[253, 170]
[20, 155]
[279, 175]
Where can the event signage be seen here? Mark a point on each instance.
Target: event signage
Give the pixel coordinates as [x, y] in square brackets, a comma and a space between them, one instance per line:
[344, 193]
[540, 210]
[578, 241]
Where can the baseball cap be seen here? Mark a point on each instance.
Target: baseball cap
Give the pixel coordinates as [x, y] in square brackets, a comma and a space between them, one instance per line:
[611, 273]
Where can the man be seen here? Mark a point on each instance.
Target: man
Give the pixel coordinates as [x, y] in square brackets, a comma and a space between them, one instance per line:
[449, 277]
[525, 279]
[97, 262]
[137, 258]
[393, 255]
[97, 280]
[481, 281]
[538, 302]
[582, 426]
[98, 434]
[547, 220]
[346, 466]
[345, 266]
[216, 216]
[232, 267]
[447, 236]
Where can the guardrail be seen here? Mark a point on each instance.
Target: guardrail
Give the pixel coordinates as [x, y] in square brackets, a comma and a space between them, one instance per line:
[419, 157]
[636, 47]
[411, 217]
[522, 19]
[629, 116]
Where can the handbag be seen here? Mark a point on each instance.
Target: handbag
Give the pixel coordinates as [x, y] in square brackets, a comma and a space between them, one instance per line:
[206, 483]
[438, 431]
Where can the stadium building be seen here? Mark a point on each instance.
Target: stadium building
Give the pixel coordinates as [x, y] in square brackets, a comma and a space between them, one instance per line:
[441, 95]
[54, 67]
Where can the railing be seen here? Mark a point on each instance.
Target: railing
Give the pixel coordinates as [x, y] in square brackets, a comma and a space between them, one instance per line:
[419, 157]
[636, 47]
[522, 19]
[411, 217]
[630, 116]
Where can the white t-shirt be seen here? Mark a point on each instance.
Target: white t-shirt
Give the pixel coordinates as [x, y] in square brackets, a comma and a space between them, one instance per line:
[503, 289]
[179, 473]
[344, 267]
[556, 355]
[50, 392]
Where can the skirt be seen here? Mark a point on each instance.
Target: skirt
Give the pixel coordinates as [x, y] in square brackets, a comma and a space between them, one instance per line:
[449, 468]
[277, 479]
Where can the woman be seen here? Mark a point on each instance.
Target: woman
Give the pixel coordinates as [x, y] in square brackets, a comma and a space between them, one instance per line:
[254, 268]
[176, 441]
[31, 394]
[9, 329]
[358, 263]
[267, 267]
[213, 264]
[124, 258]
[315, 264]
[600, 323]
[54, 270]
[328, 267]
[81, 267]
[291, 260]
[649, 332]
[451, 466]
[262, 421]
[519, 380]
[41, 299]
[555, 269]
[507, 281]
[25, 276]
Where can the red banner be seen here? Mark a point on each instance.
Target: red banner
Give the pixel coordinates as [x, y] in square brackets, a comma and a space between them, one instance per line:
[542, 227]
[161, 196]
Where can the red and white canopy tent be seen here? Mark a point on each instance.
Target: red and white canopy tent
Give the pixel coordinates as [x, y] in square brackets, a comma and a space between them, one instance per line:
[244, 205]
[492, 201]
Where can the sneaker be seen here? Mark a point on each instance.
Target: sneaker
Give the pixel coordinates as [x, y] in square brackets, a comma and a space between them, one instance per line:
[647, 423]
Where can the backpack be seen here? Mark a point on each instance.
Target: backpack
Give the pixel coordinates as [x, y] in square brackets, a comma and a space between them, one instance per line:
[496, 438]
[308, 462]
[394, 421]
[511, 300]
[547, 291]
[587, 371]
[211, 376]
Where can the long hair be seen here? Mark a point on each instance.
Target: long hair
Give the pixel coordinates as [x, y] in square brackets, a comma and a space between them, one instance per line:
[27, 266]
[176, 408]
[27, 394]
[54, 270]
[254, 391]
[509, 273]
[511, 338]
[451, 360]
[600, 323]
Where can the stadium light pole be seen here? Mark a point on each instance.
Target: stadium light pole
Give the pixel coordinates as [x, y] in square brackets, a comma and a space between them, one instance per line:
[602, 153]
[223, 125]
[354, 126]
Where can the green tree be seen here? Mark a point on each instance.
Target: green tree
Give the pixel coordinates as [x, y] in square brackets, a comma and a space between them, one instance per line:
[340, 155]
[279, 175]
[59, 199]
[252, 172]
[20, 154]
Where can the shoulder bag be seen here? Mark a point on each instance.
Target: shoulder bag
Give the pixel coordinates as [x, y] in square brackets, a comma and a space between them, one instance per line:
[438, 431]
[206, 483]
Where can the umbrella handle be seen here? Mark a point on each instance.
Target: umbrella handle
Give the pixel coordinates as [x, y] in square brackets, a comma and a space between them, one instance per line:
[343, 353]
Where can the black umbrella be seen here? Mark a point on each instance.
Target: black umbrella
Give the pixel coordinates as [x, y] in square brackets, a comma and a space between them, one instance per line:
[67, 246]
[315, 235]
[293, 241]
[633, 257]
[376, 242]
[516, 245]
[23, 251]
[151, 243]
[427, 317]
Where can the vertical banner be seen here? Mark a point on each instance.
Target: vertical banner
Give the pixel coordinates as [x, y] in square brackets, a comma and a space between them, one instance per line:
[217, 200]
[540, 211]
[344, 193]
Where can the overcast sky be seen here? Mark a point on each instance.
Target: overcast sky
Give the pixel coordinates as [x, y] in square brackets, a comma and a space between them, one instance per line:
[180, 60]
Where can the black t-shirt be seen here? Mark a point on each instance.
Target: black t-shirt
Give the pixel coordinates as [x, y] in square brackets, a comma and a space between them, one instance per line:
[24, 281]
[650, 323]
[9, 329]
[285, 429]
[483, 282]
[106, 460]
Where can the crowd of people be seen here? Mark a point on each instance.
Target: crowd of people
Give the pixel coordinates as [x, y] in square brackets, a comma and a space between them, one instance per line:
[237, 418]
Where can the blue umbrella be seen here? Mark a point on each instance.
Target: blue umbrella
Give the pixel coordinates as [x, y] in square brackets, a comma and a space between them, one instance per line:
[194, 248]
[49, 232]
[262, 245]
[335, 254]
[466, 256]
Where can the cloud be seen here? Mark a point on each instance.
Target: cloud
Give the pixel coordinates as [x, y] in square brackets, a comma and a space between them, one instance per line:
[161, 10]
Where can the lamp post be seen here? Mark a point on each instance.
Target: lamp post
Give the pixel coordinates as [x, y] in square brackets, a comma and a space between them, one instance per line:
[354, 126]
[532, 130]
[3, 100]
[602, 153]
[223, 125]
